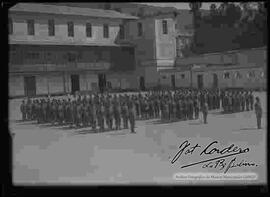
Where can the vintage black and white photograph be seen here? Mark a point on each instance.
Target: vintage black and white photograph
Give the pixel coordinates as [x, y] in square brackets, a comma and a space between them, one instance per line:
[138, 93]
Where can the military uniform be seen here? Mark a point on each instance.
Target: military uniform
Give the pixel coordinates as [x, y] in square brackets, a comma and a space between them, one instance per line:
[251, 99]
[117, 114]
[205, 112]
[93, 115]
[247, 101]
[196, 108]
[23, 110]
[124, 112]
[131, 116]
[101, 116]
[258, 111]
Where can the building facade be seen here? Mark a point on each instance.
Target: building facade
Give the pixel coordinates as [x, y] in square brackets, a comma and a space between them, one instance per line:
[231, 69]
[60, 49]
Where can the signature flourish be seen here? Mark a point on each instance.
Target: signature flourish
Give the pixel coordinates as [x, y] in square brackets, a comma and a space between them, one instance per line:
[218, 155]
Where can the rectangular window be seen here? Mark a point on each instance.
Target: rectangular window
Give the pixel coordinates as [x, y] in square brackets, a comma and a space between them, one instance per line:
[140, 29]
[122, 32]
[238, 75]
[105, 31]
[51, 27]
[226, 75]
[31, 27]
[165, 27]
[183, 76]
[10, 26]
[88, 30]
[70, 29]
[71, 57]
[251, 74]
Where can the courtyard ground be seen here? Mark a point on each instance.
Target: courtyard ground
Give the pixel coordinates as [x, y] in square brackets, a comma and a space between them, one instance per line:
[45, 154]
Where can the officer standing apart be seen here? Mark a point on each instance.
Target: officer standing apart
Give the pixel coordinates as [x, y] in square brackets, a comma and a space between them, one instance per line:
[132, 115]
[258, 111]
[205, 112]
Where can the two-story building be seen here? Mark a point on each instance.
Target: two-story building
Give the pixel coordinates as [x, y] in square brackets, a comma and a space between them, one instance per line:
[61, 49]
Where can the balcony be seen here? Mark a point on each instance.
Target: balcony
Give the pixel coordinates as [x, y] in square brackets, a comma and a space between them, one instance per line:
[59, 67]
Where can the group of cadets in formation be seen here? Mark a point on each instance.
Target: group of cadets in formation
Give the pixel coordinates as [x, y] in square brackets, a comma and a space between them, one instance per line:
[97, 109]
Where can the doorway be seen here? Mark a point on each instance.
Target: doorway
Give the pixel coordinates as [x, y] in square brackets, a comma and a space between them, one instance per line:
[75, 83]
[173, 81]
[30, 86]
[142, 85]
[200, 81]
[102, 82]
[215, 80]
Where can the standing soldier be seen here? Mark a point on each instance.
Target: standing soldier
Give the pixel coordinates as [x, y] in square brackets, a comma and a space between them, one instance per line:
[78, 113]
[23, 110]
[196, 108]
[73, 113]
[93, 114]
[251, 100]
[44, 110]
[124, 112]
[174, 109]
[181, 109]
[117, 113]
[110, 115]
[28, 109]
[167, 110]
[230, 103]
[186, 109]
[247, 101]
[258, 111]
[137, 103]
[61, 112]
[39, 111]
[243, 101]
[101, 115]
[190, 109]
[131, 115]
[205, 112]
[85, 113]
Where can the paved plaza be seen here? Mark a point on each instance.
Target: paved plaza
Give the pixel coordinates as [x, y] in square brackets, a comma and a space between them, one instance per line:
[46, 154]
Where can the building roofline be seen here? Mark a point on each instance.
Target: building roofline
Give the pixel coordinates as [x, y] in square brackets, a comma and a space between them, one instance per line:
[68, 10]
[229, 51]
[38, 42]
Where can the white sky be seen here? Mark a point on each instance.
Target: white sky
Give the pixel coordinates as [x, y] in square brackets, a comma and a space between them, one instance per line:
[182, 5]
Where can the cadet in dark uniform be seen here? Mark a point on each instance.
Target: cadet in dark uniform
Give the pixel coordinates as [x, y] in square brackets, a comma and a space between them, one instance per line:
[93, 115]
[181, 109]
[247, 101]
[205, 112]
[196, 108]
[101, 116]
[251, 99]
[117, 113]
[190, 109]
[85, 113]
[23, 110]
[124, 112]
[243, 101]
[131, 115]
[258, 111]
[60, 112]
[78, 113]
[174, 109]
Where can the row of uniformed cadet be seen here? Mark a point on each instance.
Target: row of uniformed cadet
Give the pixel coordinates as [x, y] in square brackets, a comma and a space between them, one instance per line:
[237, 101]
[83, 111]
[96, 110]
